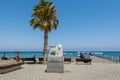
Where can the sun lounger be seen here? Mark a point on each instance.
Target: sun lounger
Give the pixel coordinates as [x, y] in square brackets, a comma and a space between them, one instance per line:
[9, 66]
[84, 60]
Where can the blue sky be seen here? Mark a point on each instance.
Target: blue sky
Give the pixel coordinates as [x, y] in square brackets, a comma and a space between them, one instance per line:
[84, 25]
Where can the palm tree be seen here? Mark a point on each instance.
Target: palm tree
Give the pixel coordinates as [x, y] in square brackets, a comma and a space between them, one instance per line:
[44, 18]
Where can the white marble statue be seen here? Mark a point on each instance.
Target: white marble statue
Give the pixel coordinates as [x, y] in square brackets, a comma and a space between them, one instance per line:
[56, 50]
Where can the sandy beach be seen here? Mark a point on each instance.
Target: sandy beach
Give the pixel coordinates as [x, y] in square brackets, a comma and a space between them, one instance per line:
[100, 69]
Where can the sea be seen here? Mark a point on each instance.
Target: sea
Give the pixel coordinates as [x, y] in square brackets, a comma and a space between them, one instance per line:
[71, 54]
[29, 54]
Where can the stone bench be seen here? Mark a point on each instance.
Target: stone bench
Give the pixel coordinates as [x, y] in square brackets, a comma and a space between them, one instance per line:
[4, 58]
[84, 60]
[41, 60]
[67, 60]
[28, 59]
[9, 66]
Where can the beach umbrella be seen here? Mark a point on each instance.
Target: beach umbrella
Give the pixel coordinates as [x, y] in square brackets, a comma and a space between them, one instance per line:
[4, 54]
[17, 53]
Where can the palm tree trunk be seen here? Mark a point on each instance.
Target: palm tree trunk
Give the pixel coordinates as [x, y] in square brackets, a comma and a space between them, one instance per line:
[45, 45]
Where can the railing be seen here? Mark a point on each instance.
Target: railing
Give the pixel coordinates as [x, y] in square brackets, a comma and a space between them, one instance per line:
[115, 59]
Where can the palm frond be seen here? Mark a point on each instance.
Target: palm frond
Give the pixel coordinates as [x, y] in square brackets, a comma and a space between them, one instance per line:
[44, 16]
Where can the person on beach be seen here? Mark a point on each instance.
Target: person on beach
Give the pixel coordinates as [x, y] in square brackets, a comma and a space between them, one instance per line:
[17, 58]
[34, 58]
[82, 55]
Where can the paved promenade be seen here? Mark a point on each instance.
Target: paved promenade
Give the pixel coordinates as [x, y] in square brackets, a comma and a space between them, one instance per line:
[99, 70]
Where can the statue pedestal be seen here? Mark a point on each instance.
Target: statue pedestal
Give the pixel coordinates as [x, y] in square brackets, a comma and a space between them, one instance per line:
[55, 64]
